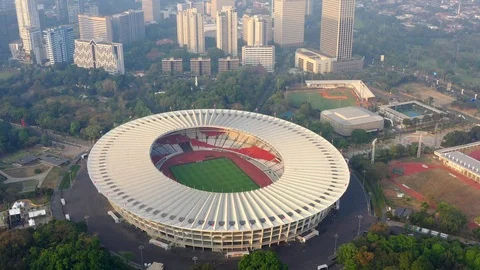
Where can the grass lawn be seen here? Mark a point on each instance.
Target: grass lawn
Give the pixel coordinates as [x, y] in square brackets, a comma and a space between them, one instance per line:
[216, 175]
[7, 73]
[295, 99]
[27, 171]
[24, 186]
[66, 177]
[51, 181]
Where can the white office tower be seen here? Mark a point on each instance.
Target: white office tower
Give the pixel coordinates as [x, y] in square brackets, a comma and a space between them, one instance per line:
[151, 10]
[106, 55]
[217, 6]
[95, 28]
[336, 35]
[128, 26]
[227, 28]
[259, 55]
[289, 19]
[29, 28]
[257, 30]
[59, 44]
[190, 30]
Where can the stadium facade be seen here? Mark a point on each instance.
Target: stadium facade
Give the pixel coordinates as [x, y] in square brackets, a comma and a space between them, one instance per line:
[308, 176]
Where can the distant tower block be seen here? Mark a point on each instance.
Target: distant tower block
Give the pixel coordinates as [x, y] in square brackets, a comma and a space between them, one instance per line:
[196, 81]
[462, 91]
[475, 96]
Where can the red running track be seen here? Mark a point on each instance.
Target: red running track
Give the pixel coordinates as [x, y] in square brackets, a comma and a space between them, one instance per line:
[475, 155]
[257, 175]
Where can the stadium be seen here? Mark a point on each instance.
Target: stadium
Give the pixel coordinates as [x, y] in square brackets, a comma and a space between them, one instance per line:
[219, 180]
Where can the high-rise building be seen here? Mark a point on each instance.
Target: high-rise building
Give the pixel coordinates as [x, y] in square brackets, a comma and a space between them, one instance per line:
[336, 35]
[217, 6]
[106, 55]
[171, 65]
[190, 30]
[72, 13]
[151, 10]
[7, 4]
[199, 5]
[95, 28]
[28, 21]
[228, 63]
[29, 29]
[201, 66]
[128, 26]
[308, 7]
[62, 10]
[8, 31]
[289, 18]
[227, 27]
[59, 44]
[259, 55]
[257, 30]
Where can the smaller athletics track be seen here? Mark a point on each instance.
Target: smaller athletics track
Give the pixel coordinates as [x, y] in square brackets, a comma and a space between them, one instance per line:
[255, 173]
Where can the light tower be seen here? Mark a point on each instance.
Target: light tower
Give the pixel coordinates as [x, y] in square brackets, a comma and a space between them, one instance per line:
[419, 150]
[373, 150]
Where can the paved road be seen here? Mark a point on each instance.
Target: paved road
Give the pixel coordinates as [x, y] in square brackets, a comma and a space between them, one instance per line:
[83, 199]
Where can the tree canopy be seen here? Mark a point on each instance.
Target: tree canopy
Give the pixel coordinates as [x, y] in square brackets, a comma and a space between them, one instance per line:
[381, 251]
[261, 260]
[56, 245]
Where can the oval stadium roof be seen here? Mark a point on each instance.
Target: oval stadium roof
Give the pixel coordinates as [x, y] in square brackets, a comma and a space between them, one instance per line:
[315, 174]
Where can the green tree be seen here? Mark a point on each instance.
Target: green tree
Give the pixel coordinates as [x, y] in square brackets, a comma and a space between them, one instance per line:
[267, 260]
[347, 254]
[359, 136]
[75, 127]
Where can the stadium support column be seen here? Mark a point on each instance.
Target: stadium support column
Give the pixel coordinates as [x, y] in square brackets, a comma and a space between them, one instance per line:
[337, 205]
[373, 150]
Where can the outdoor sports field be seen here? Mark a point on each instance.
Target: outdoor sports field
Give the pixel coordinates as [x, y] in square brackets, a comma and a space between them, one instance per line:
[321, 99]
[216, 175]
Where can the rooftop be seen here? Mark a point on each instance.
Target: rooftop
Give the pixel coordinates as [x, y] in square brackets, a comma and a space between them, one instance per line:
[352, 115]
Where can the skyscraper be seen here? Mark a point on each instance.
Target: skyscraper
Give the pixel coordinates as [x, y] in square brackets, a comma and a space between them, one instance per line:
[217, 6]
[28, 21]
[106, 55]
[8, 31]
[257, 30]
[336, 35]
[151, 10]
[59, 44]
[62, 10]
[128, 26]
[190, 30]
[96, 28]
[227, 28]
[289, 18]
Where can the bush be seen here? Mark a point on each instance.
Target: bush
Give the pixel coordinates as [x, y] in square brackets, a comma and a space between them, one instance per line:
[38, 171]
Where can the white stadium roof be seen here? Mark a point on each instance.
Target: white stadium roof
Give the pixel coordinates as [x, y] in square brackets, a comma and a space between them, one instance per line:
[315, 174]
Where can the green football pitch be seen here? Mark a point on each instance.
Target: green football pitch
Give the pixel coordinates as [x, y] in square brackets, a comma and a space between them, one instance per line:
[296, 98]
[215, 175]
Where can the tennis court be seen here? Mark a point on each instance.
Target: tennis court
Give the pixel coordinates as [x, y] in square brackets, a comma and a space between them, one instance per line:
[215, 175]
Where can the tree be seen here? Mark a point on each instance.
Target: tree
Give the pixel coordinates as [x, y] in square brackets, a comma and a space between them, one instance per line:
[75, 127]
[359, 136]
[347, 254]
[267, 260]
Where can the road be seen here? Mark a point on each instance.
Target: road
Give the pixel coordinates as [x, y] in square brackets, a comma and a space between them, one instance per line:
[84, 200]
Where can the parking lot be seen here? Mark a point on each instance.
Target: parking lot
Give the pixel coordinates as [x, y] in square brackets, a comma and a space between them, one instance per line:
[84, 203]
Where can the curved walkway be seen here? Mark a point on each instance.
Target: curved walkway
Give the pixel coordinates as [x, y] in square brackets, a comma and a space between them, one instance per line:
[39, 177]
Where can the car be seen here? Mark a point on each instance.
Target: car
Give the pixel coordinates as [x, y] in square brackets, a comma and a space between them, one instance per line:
[322, 267]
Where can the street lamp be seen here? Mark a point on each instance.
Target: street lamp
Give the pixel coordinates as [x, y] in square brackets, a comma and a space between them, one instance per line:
[335, 249]
[86, 219]
[359, 223]
[70, 174]
[364, 171]
[141, 253]
[194, 260]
